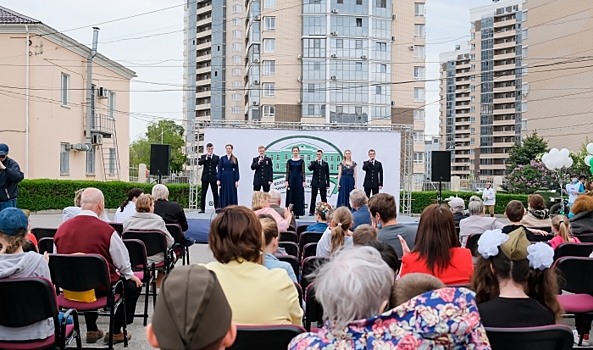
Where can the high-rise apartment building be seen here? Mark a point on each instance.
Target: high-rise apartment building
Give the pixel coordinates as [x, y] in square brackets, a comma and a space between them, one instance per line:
[481, 90]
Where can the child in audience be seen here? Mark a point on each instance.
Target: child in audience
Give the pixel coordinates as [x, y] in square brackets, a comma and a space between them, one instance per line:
[191, 312]
[412, 285]
[562, 231]
[270, 230]
[514, 284]
[515, 211]
[340, 234]
[388, 254]
[363, 234]
[321, 216]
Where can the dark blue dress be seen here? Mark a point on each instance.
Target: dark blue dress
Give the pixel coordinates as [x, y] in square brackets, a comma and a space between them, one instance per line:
[295, 193]
[346, 184]
[227, 174]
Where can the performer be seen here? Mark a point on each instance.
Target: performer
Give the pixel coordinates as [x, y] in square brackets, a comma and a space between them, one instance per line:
[209, 161]
[373, 177]
[319, 181]
[346, 179]
[228, 178]
[262, 178]
[295, 183]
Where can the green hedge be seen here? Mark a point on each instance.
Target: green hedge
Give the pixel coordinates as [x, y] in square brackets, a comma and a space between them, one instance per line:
[45, 194]
[421, 200]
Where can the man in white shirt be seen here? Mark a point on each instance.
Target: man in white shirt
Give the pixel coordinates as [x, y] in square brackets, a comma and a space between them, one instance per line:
[573, 190]
[489, 197]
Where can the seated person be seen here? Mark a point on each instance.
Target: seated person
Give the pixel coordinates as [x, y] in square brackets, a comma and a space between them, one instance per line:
[128, 207]
[360, 208]
[412, 285]
[321, 214]
[512, 274]
[364, 234]
[271, 246]
[195, 293]
[275, 201]
[260, 203]
[340, 235]
[476, 222]
[384, 217]
[582, 221]
[457, 206]
[70, 212]
[388, 255]
[515, 211]
[562, 232]
[171, 212]
[537, 213]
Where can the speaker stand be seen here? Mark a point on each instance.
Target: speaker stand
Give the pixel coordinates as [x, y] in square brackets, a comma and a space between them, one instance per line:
[160, 179]
[440, 194]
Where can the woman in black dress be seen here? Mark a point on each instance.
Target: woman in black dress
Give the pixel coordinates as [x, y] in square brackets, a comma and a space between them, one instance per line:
[295, 183]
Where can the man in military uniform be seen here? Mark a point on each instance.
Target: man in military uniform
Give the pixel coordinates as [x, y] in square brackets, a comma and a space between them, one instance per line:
[263, 167]
[373, 178]
[319, 181]
[209, 161]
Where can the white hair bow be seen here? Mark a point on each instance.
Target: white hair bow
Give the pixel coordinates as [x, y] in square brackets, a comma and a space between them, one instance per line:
[490, 241]
[540, 256]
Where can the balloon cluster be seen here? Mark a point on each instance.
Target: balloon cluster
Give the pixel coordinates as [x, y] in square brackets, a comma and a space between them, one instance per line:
[558, 159]
[589, 158]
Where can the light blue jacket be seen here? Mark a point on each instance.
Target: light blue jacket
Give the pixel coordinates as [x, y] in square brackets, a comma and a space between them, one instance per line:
[271, 262]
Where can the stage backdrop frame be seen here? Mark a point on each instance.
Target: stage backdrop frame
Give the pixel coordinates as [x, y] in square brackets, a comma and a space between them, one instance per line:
[332, 138]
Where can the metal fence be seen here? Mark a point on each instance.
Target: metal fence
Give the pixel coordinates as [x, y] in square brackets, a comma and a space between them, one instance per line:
[176, 178]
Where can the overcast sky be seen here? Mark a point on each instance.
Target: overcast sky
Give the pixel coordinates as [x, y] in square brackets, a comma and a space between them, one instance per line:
[152, 45]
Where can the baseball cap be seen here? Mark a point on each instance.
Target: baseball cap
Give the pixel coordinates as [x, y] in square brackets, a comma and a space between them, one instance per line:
[456, 202]
[3, 149]
[13, 221]
[191, 311]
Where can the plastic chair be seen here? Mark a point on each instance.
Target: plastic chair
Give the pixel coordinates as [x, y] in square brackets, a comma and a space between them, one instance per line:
[272, 337]
[25, 301]
[293, 261]
[291, 248]
[117, 226]
[309, 237]
[155, 242]
[472, 243]
[181, 246]
[300, 292]
[300, 229]
[310, 249]
[46, 244]
[542, 228]
[82, 272]
[573, 249]
[314, 310]
[585, 237]
[554, 337]
[310, 265]
[40, 232]
[288, 236]
[142, 270]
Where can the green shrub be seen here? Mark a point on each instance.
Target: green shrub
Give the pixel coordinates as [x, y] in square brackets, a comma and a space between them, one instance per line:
[46, 194]
[421, 200]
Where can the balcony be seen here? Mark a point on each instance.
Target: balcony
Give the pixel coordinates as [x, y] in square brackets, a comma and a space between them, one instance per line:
[505, 22]
[508, 132]
[503, 122]
[203, 82]
[203, 70]
[204, 45]
[203, 94]
[504, 43]
[204, 9]
[102, 124]
[204, 21]
[504, 77]
[506, 88]
[505, 33]
[504, 56]
[503, 144]
[503, 67]
[204, 106]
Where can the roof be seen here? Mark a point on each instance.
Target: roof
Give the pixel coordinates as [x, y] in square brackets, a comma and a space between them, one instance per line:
[11, 17]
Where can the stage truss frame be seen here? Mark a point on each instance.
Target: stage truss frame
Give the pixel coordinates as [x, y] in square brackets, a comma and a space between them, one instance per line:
[195, 136]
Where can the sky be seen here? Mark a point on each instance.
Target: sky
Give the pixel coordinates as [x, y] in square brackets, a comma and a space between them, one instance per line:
[152, 45]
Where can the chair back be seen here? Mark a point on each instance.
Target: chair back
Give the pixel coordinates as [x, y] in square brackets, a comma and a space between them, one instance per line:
[300, 293]
[300, 229]
[309, 237]
[79, 272]
[288, 236]
[273, 337]
[573, 249]
[46, 244]
[25, 301]
[293, 261]
[314, 310]
[291, 248]
[554, 337]
[137, 253]
[540, 238]
[585, 237]
[472, 243]
[40, 232]
[310, 249]
[176, 232]
[575, 274]
[310, 265]
[548, 229]
[155, 241]
[117, 226]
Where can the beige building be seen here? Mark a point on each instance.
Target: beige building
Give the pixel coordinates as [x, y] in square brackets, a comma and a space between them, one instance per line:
[43, 104]
[325, 61]
[558, 83]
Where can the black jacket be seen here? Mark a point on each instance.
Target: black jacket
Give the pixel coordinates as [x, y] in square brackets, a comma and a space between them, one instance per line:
[373, 176]
[9, 179]
[320, 176]
[209, 169]
[263, 171]
[171, 212]
[582, 223]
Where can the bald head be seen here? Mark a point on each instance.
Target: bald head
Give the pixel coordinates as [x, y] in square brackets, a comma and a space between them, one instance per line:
[92, 199]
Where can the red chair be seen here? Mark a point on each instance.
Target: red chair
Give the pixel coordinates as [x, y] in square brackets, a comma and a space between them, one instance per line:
[25, 301]
[554, 337]
[142, 270]
[273, 337]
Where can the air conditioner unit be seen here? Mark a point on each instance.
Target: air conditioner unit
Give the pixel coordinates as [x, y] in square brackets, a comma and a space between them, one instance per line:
[299, 79]
[393, 38]
[299, 101]
[333, 77]
[335, 11]
[80, 147]
[255, 103]
[334, 33]
[103, 92]
[256, 82]
[299, 56]
[393, 16]
[256, 60]
[363, 57]
[97, 139]
[257, 18]
[334, 55]
[411, 47]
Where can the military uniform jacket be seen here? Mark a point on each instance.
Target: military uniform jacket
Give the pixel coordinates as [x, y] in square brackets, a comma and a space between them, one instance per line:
[263, 171]
[373, 174]
[320, 174]
[210, 166]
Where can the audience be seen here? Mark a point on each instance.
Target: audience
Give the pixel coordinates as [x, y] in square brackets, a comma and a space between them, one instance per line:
[70, 212]
[191, 312]
[512, 274]
[364, 234]
[260, 203]
[412, 285]
[476, 222]
[388, 255]
[562, 232]
[383, 215]
[128, 207]
[457, 206]
[582, 221]
[270, 247]
[86, 233]
[145, 219]
[275, 201]
[321, 214]
[360, 209]
[340, 235]
[171, 212]
[537, 213]
[256, 295]
[515, 211]
[437, 250]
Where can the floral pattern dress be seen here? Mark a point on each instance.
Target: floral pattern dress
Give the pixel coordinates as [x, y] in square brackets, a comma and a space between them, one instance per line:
[446, 318]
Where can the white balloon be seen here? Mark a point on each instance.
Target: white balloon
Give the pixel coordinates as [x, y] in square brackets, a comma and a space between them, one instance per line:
[590, 148]
[568, 162]
[588, 160]
[549, 166]
[545, 157]
[565, 152]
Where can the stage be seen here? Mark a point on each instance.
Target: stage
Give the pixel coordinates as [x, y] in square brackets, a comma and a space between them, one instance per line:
[199, 224]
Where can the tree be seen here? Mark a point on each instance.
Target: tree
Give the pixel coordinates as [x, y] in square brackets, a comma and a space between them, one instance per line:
[579, 167]
[164, 132]
[523, 152]
[528, 178]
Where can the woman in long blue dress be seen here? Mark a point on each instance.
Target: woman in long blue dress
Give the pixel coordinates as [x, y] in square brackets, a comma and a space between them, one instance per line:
[346, 179]
[295, 183]
[228, 178]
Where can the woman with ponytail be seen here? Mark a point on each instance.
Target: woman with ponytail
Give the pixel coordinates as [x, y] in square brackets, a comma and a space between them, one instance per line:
[562, 231]
[228, 178]
[128, 207]
[340, 234]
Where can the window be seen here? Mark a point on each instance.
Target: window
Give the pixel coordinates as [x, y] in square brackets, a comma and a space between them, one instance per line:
[472, 131]
[269, 111]
[419, 31]
[472, 47]
[419, 51]
[90, 161]
[236, 110]
[236, 72]
[378, 90]
[419, 114]
[381, 46]
[383, 68]
[311, 109]
[237, 22]
[358, 110]
[525, 15]
[269, 45]
[237, 9]
[358, 2]
[339, 109]
[64, 158]
[237, 84]
[358, 44]
[419, 94]
[237, 47]
[237, 34]
[340, 43]
[236, 97]
[523, 106]
[359, 22]
[111, 102]
[524, 51]
[112, 161]
[419, 73]
[418, 157]
[269, 89]
[381, 4]
[419, 9]
[270, 23]
[65, 89]
[269, 4]
[358, 66]
[269, 67]
[418, 136]
[237, 60]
